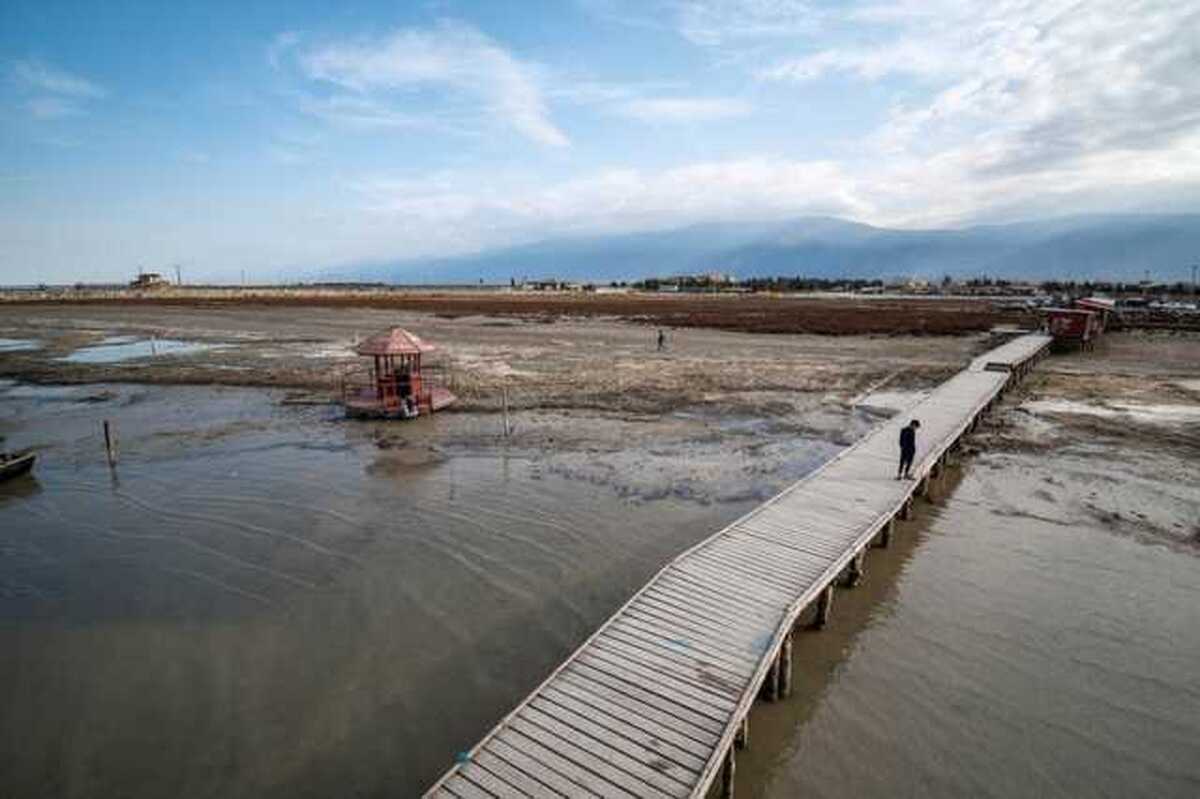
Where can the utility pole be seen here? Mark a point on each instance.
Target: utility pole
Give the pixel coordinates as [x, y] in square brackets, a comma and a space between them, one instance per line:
[1194, 279]
[178, 276]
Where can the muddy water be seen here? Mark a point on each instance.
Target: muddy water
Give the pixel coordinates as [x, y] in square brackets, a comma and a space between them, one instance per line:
[268, 601]
[995, 654]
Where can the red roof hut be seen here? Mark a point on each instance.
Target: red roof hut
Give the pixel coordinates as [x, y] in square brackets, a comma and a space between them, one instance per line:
[396, 384]
[1073, 326]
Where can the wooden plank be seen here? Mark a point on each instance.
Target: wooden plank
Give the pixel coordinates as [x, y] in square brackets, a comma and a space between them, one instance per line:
[638, 692]
[466, 786]
[709, 643]
[714, 680]
[705, 571]
[719, 607]
[543, 772]
[743, 601]
[643, 756]
[569, 764]
[692, 648]
[758, 563]
[662, 727]
[685, 756]
[600, 755]
[740, 646]
[703, 615]
[758, 576]
[702, 700]
[504, 780]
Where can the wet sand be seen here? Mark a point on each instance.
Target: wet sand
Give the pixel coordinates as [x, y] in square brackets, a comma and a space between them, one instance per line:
[268, 600]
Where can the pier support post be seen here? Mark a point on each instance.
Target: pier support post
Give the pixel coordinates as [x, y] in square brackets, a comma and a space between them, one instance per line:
[770, 687]
[906, 509]
[884, 539]
[727, 774]
[824, 607]
[741, 738]
[785, 668]
[855, 569]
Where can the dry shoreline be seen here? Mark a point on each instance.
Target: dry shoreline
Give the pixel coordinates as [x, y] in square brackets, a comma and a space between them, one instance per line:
[752, 313]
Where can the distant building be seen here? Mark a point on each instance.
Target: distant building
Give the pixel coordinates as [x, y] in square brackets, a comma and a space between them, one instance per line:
[149, 280]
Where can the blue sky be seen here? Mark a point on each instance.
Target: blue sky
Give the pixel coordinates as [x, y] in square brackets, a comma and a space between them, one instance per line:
[287, 138]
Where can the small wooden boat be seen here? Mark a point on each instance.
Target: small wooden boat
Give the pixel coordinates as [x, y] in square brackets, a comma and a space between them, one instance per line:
[13, 464]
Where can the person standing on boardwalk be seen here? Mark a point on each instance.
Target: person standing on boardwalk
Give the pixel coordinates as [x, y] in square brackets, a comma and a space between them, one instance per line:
[662, 339]
[908, 448]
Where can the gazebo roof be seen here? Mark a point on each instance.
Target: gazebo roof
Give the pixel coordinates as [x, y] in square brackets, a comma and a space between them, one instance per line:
[396, 341]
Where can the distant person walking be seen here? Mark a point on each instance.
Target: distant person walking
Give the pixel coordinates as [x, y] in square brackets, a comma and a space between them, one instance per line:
[908, 449]
[662, 340]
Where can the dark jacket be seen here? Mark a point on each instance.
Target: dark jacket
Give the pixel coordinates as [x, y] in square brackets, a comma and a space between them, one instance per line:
[908, 439]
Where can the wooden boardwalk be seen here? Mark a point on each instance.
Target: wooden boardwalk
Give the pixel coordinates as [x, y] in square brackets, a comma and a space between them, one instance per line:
[656, 701]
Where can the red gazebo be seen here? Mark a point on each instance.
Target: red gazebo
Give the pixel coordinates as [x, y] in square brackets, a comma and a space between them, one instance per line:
[394, 385]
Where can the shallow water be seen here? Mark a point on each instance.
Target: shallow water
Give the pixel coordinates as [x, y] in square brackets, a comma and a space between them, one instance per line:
[996, 656]
[267, 600]
[18, 344]
[117, 349]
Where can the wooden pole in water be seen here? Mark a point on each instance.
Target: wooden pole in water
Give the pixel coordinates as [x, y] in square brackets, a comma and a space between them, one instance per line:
[741, 738]
[110, 443]
[727, 774]
[504, 394]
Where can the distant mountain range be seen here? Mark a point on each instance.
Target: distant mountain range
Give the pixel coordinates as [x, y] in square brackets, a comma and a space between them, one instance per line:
[1107, 247]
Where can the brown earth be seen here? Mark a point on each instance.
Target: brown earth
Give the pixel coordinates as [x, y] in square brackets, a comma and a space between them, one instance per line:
[544, 360]
[754, 313]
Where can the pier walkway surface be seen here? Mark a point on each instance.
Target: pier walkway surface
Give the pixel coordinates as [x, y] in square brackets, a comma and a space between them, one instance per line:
[656, 701]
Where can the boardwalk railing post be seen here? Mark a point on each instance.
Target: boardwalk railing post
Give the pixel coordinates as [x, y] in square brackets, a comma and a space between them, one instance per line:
[742, 738]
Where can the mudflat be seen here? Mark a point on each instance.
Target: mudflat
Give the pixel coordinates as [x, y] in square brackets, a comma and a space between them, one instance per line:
[267, 599]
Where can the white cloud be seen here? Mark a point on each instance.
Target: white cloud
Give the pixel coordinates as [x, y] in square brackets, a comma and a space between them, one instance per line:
[53, 93]
[37, 76]
[716, 22]
[685, 109]
[45, 108]
[492, 211]
[1023, 87]
[280, 46]
[356, 111]
[453, 57]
